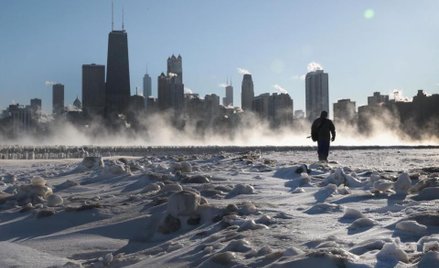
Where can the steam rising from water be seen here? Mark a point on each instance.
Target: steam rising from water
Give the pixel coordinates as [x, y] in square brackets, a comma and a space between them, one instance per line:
[243, 71]
[159, 132]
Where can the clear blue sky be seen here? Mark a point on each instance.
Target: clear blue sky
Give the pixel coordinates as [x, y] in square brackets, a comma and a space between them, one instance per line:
[364, 46]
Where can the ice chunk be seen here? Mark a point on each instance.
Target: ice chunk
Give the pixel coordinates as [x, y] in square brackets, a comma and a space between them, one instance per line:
[392, 252]
[411, 227]
[351, 213]
[243, 189]
[382, 185]
[38, 181]
[430, 193]
[240, 245]
[54, 200]
[403, 184]
[183, 203]
[362, 223]
[91, 162]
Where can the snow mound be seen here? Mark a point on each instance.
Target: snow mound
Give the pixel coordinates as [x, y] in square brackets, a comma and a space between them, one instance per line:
[92, 162]
[116, 167]
[151, 188]
[240, 245]
[361, 223]
[410, 226]
[243, 189]
[351, 213]
[36, 192]
[38, 181]
[392, 252]
[54, 200]
[183, 203]
[251, 225]
[339, 177]
[382, 185]
[184, 167]
[324, 208]
[172, 188]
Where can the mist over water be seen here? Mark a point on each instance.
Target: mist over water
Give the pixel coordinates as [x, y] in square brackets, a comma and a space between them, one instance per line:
[157, 130]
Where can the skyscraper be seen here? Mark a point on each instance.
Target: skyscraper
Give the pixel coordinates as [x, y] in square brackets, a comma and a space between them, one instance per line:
[147, 90]
[175, 68]
[58, 99]
[93, 89]
[117, 93]
[344, 111]
[228, 100]
[317, 95]
[247, 92]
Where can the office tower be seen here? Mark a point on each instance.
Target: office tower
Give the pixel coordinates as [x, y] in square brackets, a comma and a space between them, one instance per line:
[228, 100]
[247, 92]
[117, 93]
[175, 68]
[212, 106]
[261, 105]
[93, 89]
[58, 99]
[317, 95]
[170, 93]
[147, 91]
[377, 99]
[35, 106]
[344, 111]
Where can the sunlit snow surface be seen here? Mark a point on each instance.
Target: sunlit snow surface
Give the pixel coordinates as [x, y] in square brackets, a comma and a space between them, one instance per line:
[223, 207]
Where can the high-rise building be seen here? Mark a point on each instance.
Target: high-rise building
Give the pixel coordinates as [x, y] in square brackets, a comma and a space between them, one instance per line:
[175, 68]
[93, 89]
[317, 93]
[228, 100]
[377, 99]
[117, 93]
[147, 90]
[170, 93]
[171, 87]
[344, 111]
[247, 92]
[58, 99]
[35, 106]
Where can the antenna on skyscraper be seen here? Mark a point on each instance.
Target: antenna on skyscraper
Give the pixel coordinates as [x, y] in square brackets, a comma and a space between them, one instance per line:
[123, 26]
[147, 68]
[112, 15]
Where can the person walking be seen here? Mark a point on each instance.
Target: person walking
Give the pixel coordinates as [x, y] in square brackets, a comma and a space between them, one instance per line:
[323, 131]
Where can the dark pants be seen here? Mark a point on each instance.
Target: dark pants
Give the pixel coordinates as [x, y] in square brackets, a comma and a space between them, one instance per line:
[323, 149]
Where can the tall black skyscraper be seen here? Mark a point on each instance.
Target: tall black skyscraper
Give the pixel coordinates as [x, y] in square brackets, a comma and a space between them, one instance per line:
[117, 93]
[58, 99]
[247, 92]
[93, 89]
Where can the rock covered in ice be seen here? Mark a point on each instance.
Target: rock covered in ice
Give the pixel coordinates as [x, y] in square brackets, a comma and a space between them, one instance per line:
[170, 224]
[240, 245]
[425, 183]
[172, 188]
[54, 200]
[324, 208]
[91, 162]
[243, 189]
[350, 213]
[9, 179]
[411, 226]
[38, 181]
[248, 208]
[223, 258]
[339, 177]
[183, 203]
[251, 225]
[392, 252]
[151, 188]
[382, 185]
[184, 167]
[362, 223]
[430, 246]
[196, 179]
[117, 168]
[265, 219]
[403, 184]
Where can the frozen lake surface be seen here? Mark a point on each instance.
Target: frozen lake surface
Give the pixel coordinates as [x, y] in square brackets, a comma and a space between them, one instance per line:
[219, 207]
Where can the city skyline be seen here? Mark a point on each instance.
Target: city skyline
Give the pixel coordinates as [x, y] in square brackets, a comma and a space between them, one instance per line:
[365, 47]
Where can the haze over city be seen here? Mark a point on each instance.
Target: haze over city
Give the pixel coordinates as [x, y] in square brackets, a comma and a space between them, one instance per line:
[364, 46]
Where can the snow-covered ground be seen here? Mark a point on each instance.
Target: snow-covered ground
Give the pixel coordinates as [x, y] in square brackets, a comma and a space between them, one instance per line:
[217, 208]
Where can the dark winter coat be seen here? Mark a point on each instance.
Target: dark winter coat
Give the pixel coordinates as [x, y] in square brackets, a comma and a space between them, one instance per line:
[322, 129]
